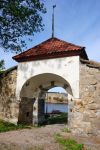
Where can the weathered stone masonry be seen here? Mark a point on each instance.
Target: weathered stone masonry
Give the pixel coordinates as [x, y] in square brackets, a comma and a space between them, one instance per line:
[8, 103]
[86, 112]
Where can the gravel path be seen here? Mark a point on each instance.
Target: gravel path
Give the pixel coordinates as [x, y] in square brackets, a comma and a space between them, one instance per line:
[41, 138]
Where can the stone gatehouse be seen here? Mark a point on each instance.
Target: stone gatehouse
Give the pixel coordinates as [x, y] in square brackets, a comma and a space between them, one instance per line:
[50, 64]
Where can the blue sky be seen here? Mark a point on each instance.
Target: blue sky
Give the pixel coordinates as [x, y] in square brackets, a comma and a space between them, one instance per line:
[58, 89]
[76, 21]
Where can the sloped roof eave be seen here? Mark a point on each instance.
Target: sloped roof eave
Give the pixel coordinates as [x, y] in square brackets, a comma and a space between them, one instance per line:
[51, 48]
[50, 56]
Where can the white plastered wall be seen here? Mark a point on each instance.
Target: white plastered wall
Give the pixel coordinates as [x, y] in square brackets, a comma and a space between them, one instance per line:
[67, 68]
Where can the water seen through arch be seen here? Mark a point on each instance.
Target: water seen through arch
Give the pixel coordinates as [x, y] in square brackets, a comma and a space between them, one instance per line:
[49, 107]
[59, 106]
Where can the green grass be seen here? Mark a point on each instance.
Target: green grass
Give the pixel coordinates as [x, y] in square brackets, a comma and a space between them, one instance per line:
[57, 118]
[68, 144]
[66, 130]
[6, 126]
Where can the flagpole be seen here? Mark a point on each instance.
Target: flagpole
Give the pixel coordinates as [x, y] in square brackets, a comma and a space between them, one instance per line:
[53, 21]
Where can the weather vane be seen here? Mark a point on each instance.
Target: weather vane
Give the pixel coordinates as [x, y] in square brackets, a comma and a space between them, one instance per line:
[53, 21]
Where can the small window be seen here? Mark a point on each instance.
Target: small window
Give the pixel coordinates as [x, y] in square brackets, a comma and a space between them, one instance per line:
[27, 114]
[70, 110]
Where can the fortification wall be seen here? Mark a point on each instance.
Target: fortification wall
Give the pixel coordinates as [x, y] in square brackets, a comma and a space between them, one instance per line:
[8, 103]
[86, 112]
[54, 97]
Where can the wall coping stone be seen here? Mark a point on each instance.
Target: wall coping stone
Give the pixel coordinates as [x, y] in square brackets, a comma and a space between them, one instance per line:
[5, 72]
[91, 63]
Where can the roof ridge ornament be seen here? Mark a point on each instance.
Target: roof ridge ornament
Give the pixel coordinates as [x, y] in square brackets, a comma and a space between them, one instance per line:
[53, 21]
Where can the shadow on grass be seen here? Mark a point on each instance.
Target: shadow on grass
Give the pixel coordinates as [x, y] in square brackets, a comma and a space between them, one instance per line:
[56, 118]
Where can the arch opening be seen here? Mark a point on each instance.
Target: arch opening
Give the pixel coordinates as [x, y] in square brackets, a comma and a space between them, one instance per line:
[56, 106]
[33, 95]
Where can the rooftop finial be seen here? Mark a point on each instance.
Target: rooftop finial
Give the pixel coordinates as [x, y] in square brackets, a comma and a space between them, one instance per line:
[53, 21]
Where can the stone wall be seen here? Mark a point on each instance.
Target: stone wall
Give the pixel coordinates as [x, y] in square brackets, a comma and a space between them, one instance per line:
[56, 97]
[8, 103]
[86, 112]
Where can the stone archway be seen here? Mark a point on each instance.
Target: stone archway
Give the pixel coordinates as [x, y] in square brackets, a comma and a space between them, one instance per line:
[32, 95]
[71, 66]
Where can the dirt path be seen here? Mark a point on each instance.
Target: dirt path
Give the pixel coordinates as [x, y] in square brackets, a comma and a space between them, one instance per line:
[39, 139]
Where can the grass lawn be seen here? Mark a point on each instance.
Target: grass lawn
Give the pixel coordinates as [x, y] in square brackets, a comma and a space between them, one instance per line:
[69, 144]
[6, 126]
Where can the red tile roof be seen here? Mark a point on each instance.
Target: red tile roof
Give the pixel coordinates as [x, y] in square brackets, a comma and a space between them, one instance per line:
[51, 48]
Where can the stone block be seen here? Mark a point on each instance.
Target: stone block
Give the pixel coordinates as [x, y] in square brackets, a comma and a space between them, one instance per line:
[93, 106]
[96, 124]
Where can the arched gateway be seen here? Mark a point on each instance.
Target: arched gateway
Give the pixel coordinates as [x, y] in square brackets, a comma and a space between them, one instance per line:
[33, 93]
[50, 64]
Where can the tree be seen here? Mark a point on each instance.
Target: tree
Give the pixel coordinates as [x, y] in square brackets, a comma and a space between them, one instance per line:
[19, 18]
[1, 65]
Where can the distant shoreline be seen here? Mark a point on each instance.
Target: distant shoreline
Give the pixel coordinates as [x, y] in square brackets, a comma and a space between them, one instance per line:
[55, 103]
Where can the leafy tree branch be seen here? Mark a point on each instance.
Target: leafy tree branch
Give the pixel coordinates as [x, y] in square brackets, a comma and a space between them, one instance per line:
[19, 18]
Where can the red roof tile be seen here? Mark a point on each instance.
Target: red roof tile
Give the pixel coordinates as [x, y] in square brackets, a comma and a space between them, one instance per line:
[51, 48]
